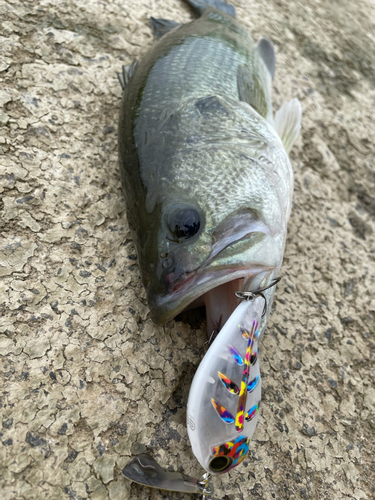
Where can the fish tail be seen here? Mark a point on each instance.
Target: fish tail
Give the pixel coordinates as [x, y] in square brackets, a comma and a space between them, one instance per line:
[201, 5]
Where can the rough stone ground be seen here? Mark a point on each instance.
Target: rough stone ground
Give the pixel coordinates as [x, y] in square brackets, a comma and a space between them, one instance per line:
[87, 379]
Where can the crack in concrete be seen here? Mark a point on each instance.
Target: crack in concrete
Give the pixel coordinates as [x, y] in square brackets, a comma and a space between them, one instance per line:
[315, 436]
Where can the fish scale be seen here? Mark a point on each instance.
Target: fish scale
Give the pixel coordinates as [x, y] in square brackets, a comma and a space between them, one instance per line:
[196, 137]
[204, 67]
[208, 187]
[228, 188]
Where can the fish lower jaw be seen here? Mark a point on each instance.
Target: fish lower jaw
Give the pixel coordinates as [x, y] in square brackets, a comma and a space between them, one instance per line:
[221, 301]
[217, 295]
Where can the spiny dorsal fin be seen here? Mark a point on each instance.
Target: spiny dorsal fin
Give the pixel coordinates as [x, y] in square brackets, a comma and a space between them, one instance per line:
[288, 122]
[201, 5]
[163, 26]
[251, 91]
[267, 53]
[127, 73]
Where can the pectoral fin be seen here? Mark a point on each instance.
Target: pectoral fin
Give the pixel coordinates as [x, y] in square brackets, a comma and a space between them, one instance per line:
[288, 122]
[251, 91]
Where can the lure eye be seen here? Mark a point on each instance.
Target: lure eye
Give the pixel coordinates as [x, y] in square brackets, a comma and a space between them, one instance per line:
[220, 464]
[183, 222]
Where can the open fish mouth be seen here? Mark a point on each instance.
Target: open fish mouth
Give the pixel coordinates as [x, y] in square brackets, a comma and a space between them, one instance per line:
[214, 284]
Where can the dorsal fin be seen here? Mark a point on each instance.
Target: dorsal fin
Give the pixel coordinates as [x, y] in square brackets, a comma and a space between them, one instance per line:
[251, 91]
[267, 53]
[127, 73]
[201, 5]
[162, 26]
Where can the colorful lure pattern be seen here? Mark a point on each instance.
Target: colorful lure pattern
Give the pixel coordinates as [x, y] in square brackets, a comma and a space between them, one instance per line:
[246, 334]
[236, 355]
[247, 386]
[253, 384]
[229, 384]
[250, 337]
[254, 357]
[252, 412]
[236, 450]
[223, 413]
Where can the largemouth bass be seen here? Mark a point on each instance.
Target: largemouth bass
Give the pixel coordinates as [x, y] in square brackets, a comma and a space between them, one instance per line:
[207, 179]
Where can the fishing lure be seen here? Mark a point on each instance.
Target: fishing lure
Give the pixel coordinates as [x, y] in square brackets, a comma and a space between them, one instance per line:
[208, 187]
[223, 404]
[224, 399]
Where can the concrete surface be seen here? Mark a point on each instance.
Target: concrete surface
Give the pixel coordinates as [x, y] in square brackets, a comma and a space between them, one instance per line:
[87, 379]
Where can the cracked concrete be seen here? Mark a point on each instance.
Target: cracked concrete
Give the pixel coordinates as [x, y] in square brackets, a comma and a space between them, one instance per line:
[87, 379]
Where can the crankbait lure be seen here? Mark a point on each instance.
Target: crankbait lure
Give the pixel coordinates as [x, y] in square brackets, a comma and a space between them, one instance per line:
[223, 405]
[208, 187]
[224, 398]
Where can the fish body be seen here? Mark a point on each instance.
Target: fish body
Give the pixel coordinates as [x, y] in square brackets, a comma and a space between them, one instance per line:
[224, 399]
[207, 180]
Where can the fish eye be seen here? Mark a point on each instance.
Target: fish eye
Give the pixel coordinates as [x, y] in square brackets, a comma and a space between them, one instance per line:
[183, 222]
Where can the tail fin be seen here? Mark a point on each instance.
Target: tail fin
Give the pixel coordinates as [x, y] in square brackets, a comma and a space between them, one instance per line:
[201, 5]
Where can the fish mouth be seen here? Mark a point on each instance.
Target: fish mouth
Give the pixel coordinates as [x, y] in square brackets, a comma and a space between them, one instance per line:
[246, 264]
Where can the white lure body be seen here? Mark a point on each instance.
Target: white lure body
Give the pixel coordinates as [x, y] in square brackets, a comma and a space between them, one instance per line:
[224, 398]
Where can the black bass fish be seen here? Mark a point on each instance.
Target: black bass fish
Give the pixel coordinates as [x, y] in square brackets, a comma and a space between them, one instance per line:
[207, 179]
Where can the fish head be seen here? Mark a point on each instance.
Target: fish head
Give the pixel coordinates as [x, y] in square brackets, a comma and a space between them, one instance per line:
[217, 207]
